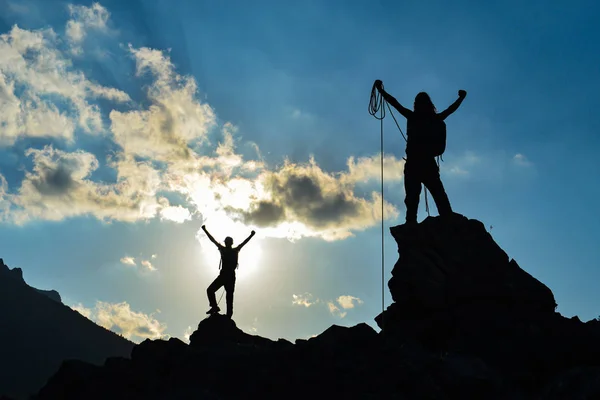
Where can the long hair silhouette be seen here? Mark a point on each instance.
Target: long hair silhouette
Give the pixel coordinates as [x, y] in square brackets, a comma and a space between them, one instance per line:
[423, 104]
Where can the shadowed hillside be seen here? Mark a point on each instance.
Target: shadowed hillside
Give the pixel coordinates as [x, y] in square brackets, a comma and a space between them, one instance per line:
[466, 323]
[38, 332]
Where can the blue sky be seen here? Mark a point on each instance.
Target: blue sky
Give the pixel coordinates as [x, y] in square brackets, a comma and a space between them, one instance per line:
[122, 120]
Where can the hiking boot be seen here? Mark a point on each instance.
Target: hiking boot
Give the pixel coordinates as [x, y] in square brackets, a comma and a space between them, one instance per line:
[214, 310]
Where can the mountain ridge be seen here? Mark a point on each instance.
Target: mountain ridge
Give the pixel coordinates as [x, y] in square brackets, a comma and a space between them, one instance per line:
[38, 332]
[466, 322]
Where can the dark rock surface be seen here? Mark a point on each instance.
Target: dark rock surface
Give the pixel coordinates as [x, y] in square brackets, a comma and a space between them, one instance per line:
[17, 275]
[38, 332]
[466, 323]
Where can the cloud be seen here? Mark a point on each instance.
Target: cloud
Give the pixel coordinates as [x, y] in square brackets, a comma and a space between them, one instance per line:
[120, 318]
[5, 204]
[86, 312]
[177, 214]
[163, 145]
[128, 261]
[462, 165]
[522, 161]
[187, 333]
[369, 168]
[344, 302]
[59, 186]
[322, 202]
[41, 94]
[333, 309]
[304, 300]
[83, 19]
[347, 302]
[174, 118]
[148, 265]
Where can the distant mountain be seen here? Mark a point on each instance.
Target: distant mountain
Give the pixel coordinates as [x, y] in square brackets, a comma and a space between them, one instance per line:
[38, 332]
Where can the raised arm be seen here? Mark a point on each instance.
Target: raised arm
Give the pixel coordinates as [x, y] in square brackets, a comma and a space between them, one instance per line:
[392, 100]
[454, 106]
[212, 239]
[246, 241]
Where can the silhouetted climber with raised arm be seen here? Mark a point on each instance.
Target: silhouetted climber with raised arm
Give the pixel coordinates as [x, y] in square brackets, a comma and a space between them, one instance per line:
[226, 278]
[420, 166]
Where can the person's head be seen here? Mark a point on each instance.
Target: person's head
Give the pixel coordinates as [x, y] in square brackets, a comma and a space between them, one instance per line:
[228, 241]
[423, 104]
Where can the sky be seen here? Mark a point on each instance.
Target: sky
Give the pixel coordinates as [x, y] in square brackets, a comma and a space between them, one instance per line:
[126, 126]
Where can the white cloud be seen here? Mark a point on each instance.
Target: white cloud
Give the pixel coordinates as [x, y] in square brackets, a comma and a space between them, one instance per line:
[148, 265]
[319, 203]
[456, 170]
[128, 261]
[347, 302]
[83, 19]
[52, 99]
[59, 186]
[333, 309]
[344, 302]
[522, 161]
[187, 333]
[164, 147]
[305, 300]
[177, 214]
[462, 165]
[4, 199]
[86, 312]
[369, 168]
[120, 318]
[174, 118]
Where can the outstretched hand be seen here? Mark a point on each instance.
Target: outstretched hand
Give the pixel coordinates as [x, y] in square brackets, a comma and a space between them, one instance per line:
[462, 94]
[252, 233]
[204, 227]
[378, 84]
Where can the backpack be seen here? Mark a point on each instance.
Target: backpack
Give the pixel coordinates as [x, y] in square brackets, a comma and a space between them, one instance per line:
[436, 144]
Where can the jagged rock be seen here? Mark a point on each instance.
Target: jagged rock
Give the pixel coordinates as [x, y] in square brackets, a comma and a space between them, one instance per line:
[218, 330]
[358, 337]
[467, 322]
[446, 263]
[576, 383]
[456, 290]
[51, 294]
[16, 274]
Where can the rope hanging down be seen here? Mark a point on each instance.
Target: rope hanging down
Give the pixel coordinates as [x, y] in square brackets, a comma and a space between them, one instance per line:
[223, 290]
[375, 106]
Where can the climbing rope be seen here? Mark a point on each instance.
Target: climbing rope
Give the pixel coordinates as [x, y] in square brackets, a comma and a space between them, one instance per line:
[222, 293]
[223, 289]
[376, 105]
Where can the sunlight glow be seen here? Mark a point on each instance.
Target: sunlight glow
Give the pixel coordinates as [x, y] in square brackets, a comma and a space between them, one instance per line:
[220, 226]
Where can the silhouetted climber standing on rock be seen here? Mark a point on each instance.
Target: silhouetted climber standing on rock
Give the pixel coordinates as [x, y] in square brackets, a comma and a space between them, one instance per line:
[226, 278]
[424, 128]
